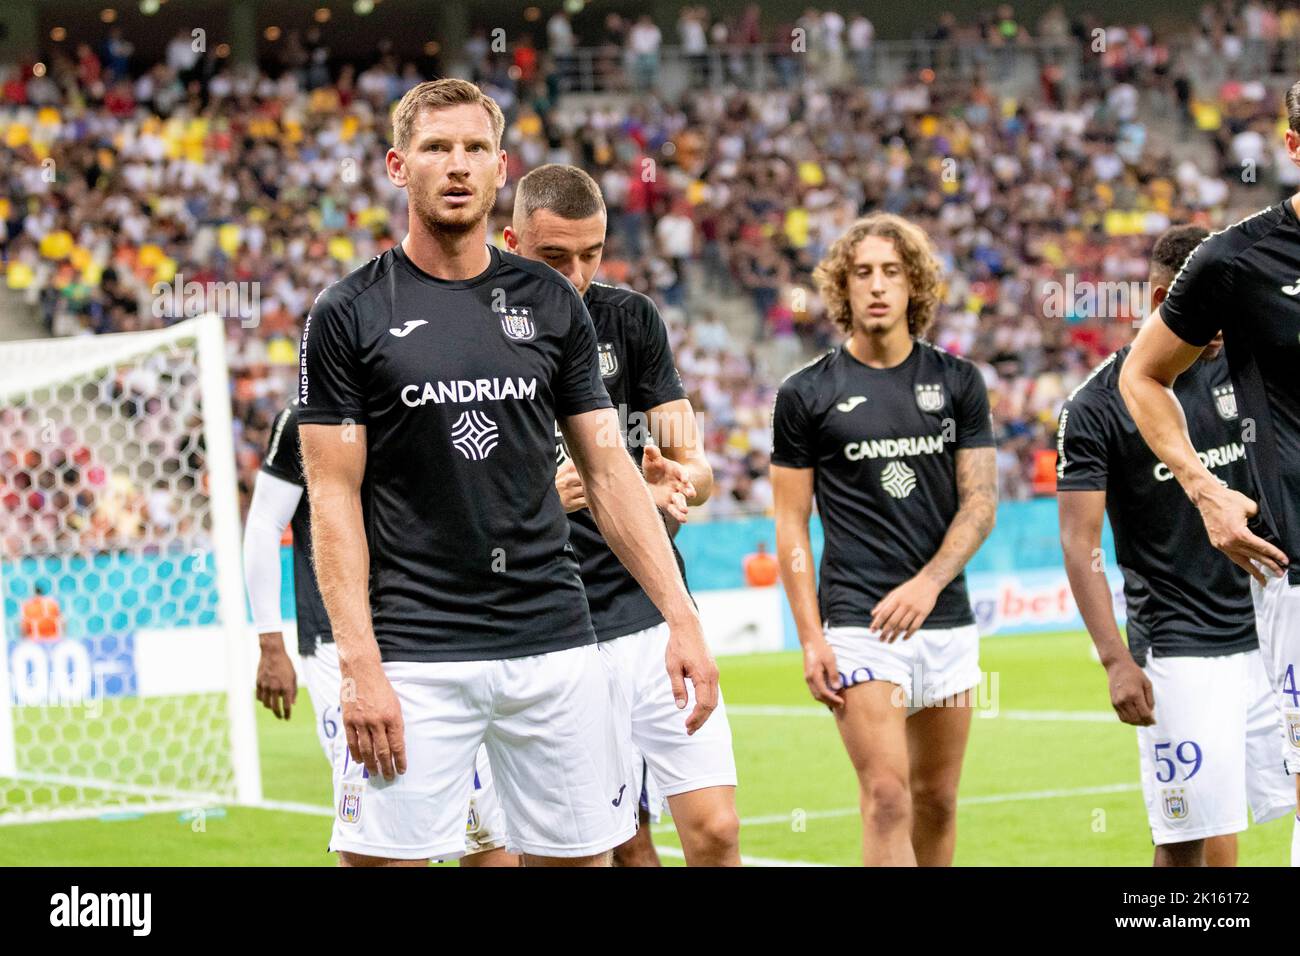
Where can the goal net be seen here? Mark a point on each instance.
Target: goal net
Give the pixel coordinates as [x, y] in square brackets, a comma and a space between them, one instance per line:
[126, 684]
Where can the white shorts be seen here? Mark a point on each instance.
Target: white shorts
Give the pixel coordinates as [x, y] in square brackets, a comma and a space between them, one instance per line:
[485, 826]
[1213, 748]
[1277, 619]
[556, 761]
[655, 729]
[931, 666]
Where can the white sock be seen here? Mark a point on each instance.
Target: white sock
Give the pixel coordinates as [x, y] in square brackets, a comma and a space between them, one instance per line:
[1295, 842]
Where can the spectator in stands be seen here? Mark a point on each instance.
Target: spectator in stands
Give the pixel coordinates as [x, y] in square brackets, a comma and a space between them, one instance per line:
[643, 42]
[862, 38]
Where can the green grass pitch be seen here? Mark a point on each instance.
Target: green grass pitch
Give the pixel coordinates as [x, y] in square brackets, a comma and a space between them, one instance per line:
[1040, 787]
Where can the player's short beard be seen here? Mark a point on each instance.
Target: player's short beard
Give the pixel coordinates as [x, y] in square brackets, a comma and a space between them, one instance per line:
[462, 220]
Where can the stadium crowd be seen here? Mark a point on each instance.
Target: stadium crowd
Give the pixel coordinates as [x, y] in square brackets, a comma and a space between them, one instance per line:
[122, 184]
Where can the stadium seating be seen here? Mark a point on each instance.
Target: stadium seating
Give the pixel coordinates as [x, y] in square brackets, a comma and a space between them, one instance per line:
[123, 184]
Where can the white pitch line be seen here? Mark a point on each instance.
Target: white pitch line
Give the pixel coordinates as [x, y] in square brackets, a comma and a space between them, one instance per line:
[194, 798]
[764, 710]
[1048, 794]
[288, 806]
[677, 854]
[1044, 716]
[978, 800]
[1047, 716]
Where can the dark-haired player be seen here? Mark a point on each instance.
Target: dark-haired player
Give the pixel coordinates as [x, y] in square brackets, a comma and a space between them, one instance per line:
[893, 437]
[559, 218]
[1244, 280]
[1192, 679]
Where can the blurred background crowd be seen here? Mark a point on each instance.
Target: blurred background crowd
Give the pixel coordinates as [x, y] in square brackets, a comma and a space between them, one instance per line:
[730, 158]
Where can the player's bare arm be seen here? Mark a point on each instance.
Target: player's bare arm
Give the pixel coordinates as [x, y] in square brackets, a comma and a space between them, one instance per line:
[903, 610]
[624, 512]
[669, 485]
[277, 683]
[270, 512]
[678, 437]
[568, 483]
[792, 494]
[335, 463]
[1157, 359]
[675, 468]
[1081, 514]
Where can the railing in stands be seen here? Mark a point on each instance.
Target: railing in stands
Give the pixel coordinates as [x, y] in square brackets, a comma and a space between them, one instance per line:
[610, 69]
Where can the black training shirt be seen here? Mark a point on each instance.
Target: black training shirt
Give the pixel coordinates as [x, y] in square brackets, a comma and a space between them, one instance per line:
[883, 443]
[1245, 280]
[636, 363]
[1184, 597]
[459, 385]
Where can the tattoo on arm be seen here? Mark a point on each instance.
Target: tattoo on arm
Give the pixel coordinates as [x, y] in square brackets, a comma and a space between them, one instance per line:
[977, 505]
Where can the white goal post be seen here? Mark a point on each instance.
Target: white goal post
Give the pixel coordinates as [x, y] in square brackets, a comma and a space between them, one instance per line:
[126, 682]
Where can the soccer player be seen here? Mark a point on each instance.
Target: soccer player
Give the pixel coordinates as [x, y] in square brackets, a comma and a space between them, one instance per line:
[559, 219]
[278, 502]
[1192, 679]
[1245, 280]
[893, 436]
[431, 380]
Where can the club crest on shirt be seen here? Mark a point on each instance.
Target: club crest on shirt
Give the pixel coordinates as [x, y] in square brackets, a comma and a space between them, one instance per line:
[1293, 729]
[1225, 402]
[350, 803]
[929, 398]
[1174, 803]
[517, 323]
[608, 359]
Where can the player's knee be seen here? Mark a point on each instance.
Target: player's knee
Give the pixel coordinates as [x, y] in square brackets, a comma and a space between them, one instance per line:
[936, 802]
[887, 804]
[716, 834]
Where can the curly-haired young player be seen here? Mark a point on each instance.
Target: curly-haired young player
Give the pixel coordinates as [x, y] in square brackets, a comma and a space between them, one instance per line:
[893, 437]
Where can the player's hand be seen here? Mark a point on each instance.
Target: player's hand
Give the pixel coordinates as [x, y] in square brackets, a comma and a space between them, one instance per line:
[1225, 513]
[688, 658]
[822, 672]
[372, 719]
[277, 684]
[669, 483]
[903, 610]
[569, 484]
[1131, 694]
